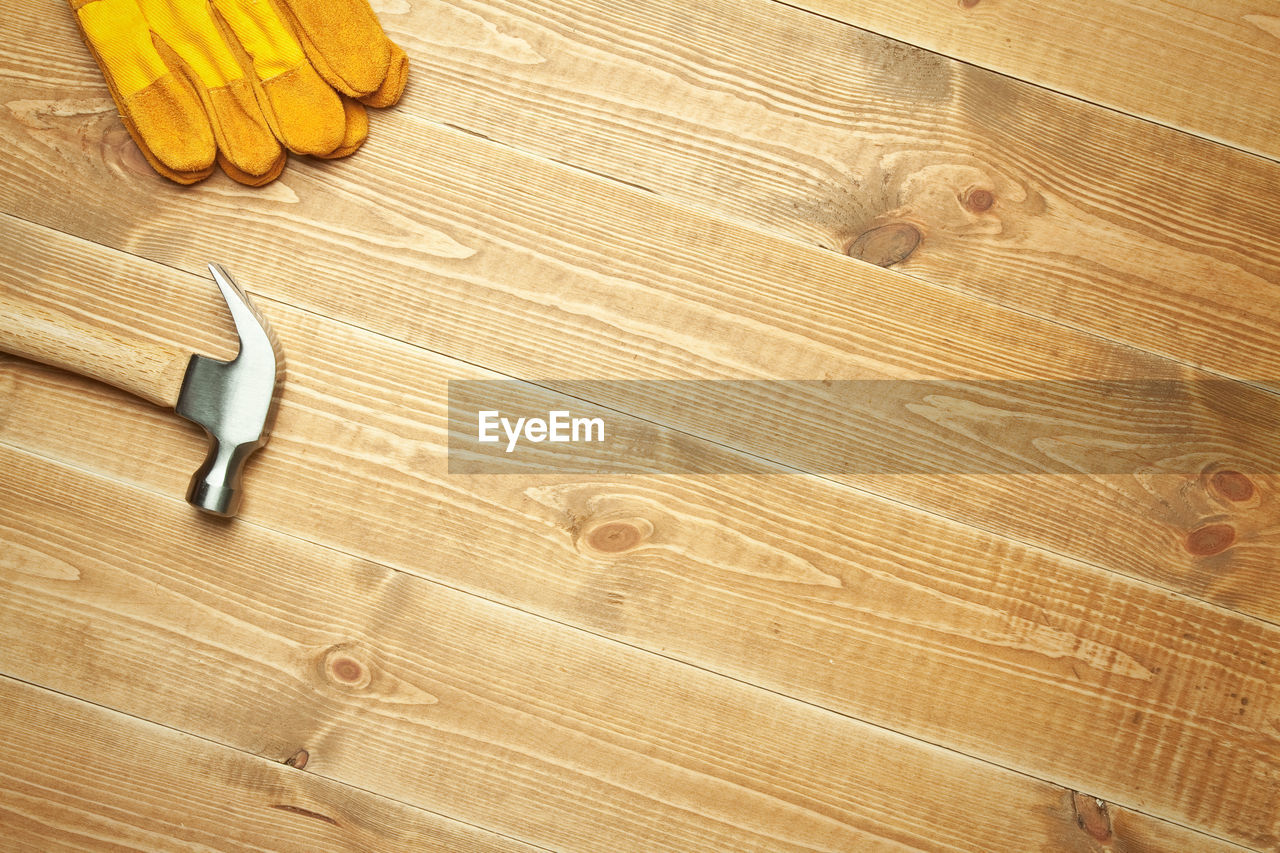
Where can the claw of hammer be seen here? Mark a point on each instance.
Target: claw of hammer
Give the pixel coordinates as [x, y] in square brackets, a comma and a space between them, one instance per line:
[235, 401]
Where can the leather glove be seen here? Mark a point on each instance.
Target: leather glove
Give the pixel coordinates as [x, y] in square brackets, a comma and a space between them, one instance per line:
[242, 81]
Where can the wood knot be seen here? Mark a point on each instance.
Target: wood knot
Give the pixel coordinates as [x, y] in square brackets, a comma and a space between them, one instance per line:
[979, 200]
[1210, 539]
[967, 4]
[298, 760]
[1092, 816]
[886, 245]
[340, 665]
[1232, 485]
[617, 536]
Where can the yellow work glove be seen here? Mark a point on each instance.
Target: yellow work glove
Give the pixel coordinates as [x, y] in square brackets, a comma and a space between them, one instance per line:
[241, 81]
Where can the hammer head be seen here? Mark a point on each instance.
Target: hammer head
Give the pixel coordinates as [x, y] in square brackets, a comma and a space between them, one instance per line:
[235, 401]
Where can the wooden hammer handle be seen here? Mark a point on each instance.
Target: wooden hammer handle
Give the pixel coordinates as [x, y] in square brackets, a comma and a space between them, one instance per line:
[151, 371]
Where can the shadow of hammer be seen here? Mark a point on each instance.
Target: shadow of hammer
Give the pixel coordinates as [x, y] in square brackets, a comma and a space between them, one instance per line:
[235, 401]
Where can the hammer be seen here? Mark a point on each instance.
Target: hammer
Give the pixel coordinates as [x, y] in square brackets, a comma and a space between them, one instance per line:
[234, 401]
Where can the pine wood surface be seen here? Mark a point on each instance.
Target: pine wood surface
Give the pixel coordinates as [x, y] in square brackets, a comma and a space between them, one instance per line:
[991, 662]
[605, 281]
[848, 141]
[1205, 67]
[842, 613]
[426, 695]
[857, 143]
[58, 753]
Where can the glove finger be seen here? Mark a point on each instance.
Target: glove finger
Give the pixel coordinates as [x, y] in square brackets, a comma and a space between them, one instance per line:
[243, 136]
[160, 108]
[347, 45]
[177, 155]
[393, 85]
[356, 132]
[304, 113]
[187, 37]
[253, 180]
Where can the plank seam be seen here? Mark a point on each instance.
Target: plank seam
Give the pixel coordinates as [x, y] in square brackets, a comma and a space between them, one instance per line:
[1028, 82]
[254, 756]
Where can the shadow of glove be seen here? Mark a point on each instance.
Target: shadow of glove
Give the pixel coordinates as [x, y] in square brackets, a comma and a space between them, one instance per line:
[241, 82]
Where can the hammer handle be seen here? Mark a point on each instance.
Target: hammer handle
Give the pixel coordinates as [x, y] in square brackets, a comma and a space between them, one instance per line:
[149, 370]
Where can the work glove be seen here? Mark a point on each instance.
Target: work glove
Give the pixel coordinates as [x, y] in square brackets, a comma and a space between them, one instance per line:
[242, 81]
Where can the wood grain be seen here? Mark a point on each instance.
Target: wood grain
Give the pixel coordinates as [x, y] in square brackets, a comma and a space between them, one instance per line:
[269, 644]
[313, 625]
[539, 271]
[964, 178]
[1207, 68]
[74, 776]
[764, 114]
[764, 580]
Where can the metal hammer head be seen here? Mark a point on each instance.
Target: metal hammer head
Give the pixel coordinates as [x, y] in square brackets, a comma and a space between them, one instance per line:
[235, 401]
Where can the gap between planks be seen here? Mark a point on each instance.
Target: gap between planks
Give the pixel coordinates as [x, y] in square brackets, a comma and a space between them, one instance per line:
[1094, 86]
[178, 754]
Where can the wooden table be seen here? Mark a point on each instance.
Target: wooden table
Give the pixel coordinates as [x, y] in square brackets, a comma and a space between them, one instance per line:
[379, 654]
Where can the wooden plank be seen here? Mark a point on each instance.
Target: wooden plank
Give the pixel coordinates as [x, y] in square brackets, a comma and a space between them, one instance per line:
[1206, 68]
[75, 776]
[538, 271]
[850, 141]
[270, 644]
[1151, 237]
[764, 580]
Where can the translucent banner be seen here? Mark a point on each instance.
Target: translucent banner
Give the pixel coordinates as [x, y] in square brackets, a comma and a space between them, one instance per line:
[861, 427]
